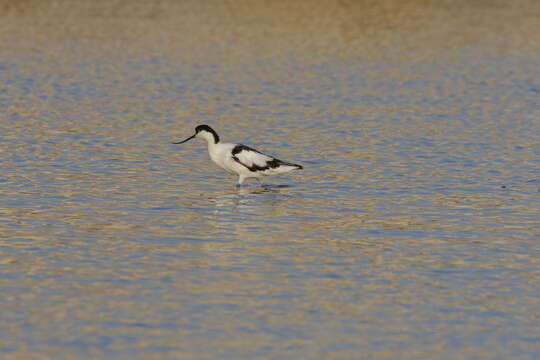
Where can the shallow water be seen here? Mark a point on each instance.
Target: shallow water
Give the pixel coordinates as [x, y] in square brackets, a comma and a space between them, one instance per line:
[413, 231]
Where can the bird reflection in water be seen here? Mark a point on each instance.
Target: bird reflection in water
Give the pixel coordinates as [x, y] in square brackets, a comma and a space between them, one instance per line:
[251, 197]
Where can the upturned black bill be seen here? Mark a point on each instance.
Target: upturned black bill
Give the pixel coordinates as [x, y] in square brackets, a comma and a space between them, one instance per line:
[189, 138]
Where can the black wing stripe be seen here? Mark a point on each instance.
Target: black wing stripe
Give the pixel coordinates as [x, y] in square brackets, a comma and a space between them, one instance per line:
[239, 148]
[272, 164]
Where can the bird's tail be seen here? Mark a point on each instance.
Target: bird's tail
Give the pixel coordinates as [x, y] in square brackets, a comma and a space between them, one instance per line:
[298, 167]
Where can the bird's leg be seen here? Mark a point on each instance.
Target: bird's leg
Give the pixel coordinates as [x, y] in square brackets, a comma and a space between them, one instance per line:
[241, 179]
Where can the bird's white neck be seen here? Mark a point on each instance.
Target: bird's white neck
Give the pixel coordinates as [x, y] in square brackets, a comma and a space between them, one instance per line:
[209, 137]
[211, 145]
[211, 140]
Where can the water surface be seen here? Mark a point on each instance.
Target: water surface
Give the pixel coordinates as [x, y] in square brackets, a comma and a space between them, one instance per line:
[413, 231]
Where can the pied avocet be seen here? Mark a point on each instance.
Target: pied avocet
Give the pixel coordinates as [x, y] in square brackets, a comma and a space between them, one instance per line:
[240, 159]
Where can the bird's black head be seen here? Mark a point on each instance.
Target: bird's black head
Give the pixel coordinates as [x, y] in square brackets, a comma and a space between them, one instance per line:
[204, 127]
[205, 132]
[207, 128]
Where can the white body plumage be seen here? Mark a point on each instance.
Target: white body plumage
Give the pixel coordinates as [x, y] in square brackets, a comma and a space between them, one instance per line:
[240, 159]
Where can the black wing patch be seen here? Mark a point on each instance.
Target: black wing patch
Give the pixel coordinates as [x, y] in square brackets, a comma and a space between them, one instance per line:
[269, 162]
[241, 147]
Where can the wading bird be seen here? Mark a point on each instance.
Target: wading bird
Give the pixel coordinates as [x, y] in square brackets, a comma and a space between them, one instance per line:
[240, 159]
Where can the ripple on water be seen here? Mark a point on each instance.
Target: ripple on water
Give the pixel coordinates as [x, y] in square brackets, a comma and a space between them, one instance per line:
[412, 230]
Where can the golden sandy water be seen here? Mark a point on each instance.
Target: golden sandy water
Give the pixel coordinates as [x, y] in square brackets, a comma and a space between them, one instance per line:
[412, 233]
